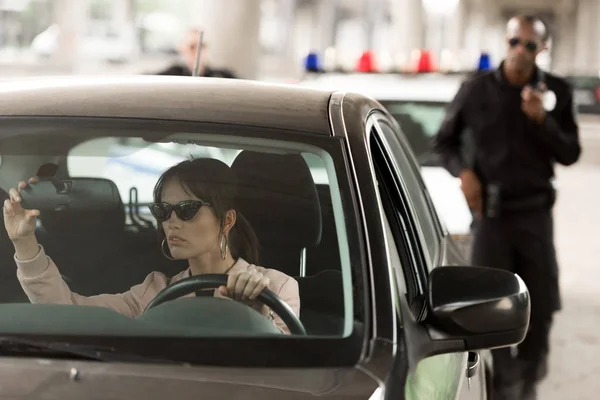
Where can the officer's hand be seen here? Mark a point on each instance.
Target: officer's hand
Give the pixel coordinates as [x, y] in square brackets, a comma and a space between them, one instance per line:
[471, 187]
[532, 104]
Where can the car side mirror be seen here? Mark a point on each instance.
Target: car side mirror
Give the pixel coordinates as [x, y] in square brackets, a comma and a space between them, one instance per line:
[482, 307]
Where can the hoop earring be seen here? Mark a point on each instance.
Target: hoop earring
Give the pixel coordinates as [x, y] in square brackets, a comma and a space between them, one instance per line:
[162, 249]
[224, 247]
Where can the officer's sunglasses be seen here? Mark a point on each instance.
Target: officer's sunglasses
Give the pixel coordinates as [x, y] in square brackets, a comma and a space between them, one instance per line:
[185, 210]
[530, 45]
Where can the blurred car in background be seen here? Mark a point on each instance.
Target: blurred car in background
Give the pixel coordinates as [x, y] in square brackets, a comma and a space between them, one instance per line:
[101, 42]
[586, 92]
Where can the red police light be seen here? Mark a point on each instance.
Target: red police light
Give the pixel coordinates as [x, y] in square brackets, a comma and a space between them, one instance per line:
[425, 62]
[366, 62]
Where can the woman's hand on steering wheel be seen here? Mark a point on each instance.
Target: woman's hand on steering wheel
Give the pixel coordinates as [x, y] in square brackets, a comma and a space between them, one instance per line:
[220, 281]
[245, 286]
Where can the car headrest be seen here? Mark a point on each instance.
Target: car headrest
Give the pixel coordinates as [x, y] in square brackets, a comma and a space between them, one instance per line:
[105, 216]
[279, 198]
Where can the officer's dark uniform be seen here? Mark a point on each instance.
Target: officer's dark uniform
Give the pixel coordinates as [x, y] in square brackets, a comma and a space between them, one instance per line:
[182, 70]
[516, 156]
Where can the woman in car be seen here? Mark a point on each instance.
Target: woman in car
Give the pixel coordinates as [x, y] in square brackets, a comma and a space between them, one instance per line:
[195, 207]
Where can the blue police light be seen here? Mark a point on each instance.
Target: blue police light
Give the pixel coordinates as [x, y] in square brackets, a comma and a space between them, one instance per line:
[311, 63]
[484, 62]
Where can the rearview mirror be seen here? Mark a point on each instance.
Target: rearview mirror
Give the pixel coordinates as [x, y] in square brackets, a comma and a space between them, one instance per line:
[483, 307]
[75, 194]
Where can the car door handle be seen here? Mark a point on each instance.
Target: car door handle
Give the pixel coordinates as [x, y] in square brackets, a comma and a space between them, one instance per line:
[472, 364]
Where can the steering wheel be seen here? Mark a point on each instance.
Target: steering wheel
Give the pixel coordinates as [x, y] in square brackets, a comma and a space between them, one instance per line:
[213, 281]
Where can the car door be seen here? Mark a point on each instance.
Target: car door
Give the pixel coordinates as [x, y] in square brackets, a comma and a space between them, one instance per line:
[409, 212]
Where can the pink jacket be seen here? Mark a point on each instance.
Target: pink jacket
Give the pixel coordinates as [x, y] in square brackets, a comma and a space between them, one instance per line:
[43, 283]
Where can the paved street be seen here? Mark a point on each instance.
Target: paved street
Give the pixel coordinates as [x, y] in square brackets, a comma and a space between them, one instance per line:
[575, 359]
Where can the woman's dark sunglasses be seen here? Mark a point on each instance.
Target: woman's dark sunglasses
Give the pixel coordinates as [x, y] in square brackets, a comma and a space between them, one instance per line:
[530, 45]
[185, 210]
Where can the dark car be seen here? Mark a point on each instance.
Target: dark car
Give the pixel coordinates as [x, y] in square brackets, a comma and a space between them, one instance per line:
[586, 93]
[388, 307]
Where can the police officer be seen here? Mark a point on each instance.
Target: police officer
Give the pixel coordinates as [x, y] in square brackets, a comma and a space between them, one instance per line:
[522, 121]
[189, 50]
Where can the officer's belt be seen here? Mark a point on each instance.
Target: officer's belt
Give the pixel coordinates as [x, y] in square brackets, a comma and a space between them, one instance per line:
[543, 200]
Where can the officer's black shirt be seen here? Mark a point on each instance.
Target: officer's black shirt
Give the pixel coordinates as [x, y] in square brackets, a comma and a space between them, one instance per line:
[510, 149]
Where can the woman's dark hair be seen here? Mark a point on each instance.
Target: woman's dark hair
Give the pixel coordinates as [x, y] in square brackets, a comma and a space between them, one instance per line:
[213, 181]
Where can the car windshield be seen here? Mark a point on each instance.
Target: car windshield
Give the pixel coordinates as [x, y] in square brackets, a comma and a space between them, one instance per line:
[420, 122]
[110, 244]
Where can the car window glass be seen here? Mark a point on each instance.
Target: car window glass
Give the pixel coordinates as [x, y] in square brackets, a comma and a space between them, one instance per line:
[415, 191]
[105, 240]
[395, 261]
[420, 122]
[428, 116]
[133, 162]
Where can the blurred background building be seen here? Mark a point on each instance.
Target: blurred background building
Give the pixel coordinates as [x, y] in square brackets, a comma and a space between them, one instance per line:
[269, 39]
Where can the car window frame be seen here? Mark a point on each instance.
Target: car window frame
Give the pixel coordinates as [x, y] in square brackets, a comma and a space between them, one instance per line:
[396, 213]
[401, 222]
[416, 168]
[431, 259]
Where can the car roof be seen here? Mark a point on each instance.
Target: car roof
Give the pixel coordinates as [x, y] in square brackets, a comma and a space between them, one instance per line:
[216, 100]
[390, 87]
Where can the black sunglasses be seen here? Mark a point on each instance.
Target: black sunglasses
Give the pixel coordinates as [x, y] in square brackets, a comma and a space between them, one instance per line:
[530, 45]
[185, 210]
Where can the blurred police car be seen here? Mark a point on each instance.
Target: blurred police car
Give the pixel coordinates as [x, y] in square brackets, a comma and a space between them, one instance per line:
[417, 100]
[586, 92]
